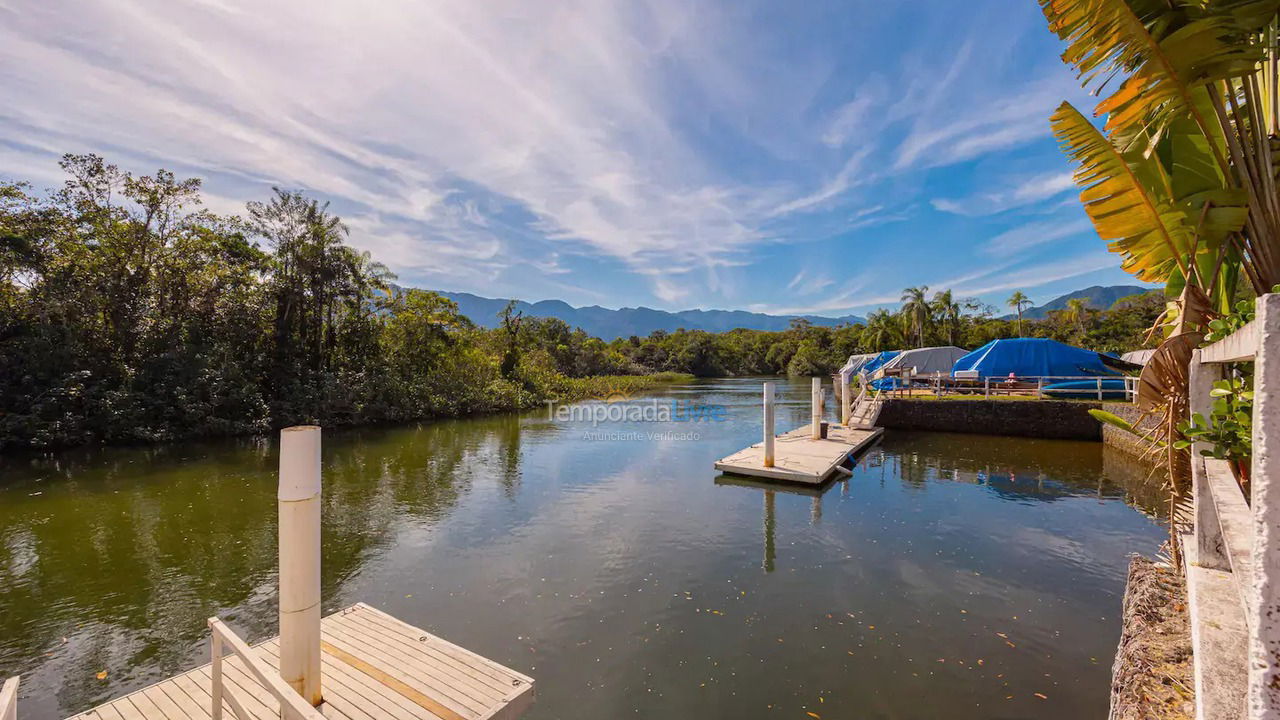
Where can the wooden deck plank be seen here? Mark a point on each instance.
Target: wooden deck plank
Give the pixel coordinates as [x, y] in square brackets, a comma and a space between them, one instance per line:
[374, 667]
[360, 688]
[503, 674]
[798, 457]
[404, 669]
[487, 688]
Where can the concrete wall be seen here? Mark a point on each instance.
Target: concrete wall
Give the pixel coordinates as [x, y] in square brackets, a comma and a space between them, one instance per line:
[1063, 419]
[1128, 442]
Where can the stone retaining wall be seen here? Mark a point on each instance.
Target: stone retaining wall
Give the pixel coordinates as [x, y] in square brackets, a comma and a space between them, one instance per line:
[1128, 442]
[1063, 419]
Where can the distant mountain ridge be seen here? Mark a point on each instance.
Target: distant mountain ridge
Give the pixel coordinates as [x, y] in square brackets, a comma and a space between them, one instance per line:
[1098, 297]
[640, 321]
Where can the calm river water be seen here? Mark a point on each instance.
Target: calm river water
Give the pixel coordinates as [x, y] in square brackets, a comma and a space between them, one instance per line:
[952, 576]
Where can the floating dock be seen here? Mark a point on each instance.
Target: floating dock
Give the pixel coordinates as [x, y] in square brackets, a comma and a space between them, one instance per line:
[373, 666]
[798, 457]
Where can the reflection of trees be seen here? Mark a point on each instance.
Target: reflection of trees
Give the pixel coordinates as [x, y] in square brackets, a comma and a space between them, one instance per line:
[126, 552]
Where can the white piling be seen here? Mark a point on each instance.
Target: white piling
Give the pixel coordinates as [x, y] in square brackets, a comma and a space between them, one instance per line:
[816, 395]
[768, 424]
[299, 506]
[846, 401]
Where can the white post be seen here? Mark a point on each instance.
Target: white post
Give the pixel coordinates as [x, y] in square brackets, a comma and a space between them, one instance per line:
[9, 699]
[768, 424]
[1264, 480]
[986, 387]
[817, 407]
[299, 507]
[1099, 389]
[845, 402]
[215, 681]
[1210, 548]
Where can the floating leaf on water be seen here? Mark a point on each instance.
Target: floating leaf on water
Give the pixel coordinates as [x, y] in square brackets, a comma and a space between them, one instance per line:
[102, 675]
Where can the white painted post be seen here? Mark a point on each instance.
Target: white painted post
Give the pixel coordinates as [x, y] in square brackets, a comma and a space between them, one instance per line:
[768, 424]
[9, 699]
[215, 682]
[1210, 547]
[1099, 389]
[1264, 479]
[986, 387]
[817, 408]
[846, 401]
[299, 508]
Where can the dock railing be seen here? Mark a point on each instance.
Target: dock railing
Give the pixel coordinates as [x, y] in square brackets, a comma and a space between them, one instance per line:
[292, 705]
[941, 385]
[1233, 569]
[9, 699]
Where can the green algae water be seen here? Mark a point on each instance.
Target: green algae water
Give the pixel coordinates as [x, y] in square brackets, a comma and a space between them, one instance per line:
[952, 576]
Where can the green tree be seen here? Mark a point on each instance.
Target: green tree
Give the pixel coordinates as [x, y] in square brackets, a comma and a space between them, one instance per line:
[1018, 301]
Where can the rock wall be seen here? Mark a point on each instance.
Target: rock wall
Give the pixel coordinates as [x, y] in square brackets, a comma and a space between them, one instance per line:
[1064, 419]
[1128, 442]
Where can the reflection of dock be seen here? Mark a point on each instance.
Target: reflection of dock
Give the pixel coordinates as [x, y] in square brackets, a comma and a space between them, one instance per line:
[799, 458]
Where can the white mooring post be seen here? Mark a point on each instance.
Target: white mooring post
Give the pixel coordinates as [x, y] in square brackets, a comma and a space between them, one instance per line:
[9, 699]
[768, 424]
[817, 408]
[1099, 389]
[846, 402]
[299, 507]
[1264, 478]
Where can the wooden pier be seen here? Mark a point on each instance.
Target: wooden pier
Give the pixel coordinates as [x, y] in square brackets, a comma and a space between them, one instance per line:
[798, 457]
[373, 666]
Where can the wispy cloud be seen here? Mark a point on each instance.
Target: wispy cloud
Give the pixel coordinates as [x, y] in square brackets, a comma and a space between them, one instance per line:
[1029, 235]
[1022, 192]
[1043, 273]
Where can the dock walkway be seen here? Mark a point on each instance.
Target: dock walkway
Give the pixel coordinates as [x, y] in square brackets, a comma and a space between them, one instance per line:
[799, 458]
[373, 666]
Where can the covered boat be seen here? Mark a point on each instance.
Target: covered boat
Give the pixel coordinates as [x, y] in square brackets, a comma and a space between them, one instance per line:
[924, 361]
[1111, 388]
[1035, 357]
[854, 366]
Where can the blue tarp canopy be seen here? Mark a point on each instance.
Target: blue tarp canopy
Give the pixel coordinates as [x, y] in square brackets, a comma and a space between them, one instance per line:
[1032, 357]
[875, 363]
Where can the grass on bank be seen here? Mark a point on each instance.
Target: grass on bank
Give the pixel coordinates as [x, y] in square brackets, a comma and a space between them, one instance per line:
[604, 386]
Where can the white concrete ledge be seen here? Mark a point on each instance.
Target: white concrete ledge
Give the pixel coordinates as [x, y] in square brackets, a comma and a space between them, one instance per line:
[1218, 639]
[1239, 346]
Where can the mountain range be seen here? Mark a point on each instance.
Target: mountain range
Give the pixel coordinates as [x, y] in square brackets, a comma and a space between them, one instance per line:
[1097, 297]
[608, 324]
[624, 322]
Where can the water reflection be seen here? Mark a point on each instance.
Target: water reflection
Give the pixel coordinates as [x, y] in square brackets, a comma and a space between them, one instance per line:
[624, 575]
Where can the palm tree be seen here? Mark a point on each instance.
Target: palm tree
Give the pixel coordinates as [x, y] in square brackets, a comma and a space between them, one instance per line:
[948, 311]
[883, 331]
[1076, 313]
[916, 309]
[1018, 301]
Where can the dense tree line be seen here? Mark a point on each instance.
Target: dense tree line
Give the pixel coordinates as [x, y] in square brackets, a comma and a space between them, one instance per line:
[129, 313]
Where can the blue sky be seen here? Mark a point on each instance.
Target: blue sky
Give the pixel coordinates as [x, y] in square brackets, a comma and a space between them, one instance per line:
[779, 157]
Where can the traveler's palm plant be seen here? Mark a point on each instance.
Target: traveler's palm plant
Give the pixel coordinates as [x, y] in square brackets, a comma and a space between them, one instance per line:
[1181, 178]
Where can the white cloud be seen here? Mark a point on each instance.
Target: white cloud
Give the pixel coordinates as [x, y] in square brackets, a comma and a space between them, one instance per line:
[1044, 273]
[1023, 192]
[1029, 235]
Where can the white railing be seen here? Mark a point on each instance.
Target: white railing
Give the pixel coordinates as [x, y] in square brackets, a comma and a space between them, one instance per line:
[292, 705]
[1239, 535]
[9, 699]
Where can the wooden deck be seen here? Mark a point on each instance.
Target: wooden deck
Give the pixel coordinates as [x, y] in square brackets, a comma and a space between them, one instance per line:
[373, 667]
[798, 458]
